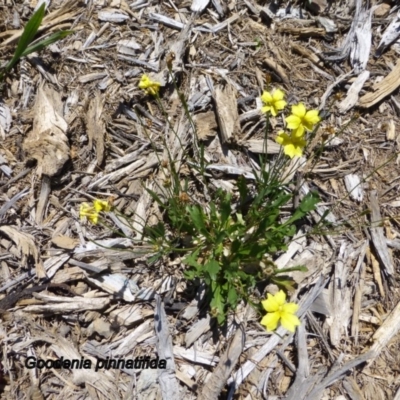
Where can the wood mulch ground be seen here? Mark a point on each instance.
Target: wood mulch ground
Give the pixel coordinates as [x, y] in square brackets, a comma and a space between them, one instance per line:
[74, 126]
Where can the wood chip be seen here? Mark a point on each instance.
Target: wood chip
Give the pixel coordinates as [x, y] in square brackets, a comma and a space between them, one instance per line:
[378, 238]
[26, 248]
[227, 113]
[206, 125]
[384, 88]
[352, 94]
[272, 64]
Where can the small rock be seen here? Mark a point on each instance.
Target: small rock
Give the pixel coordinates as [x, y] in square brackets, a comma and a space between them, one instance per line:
[103, 328]
[382, 10]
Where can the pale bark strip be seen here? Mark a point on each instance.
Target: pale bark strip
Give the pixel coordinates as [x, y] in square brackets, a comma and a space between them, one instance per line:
[214, 385]
[167, 378]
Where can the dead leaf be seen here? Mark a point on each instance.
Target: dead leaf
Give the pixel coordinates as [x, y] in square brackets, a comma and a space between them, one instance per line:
[26, 248]
[47, 142]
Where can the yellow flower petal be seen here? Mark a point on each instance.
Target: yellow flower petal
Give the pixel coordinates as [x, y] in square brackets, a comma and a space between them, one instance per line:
[312, 117]
[270, 321]
[266, 97]
[282, 138]
[280, 104]
[290, 308]
[293, 121]
[144, 82]
[298, 132]
[292, 145]
[270, 305]
[273, 102]
[86, 210]
[265, 109]
[289, 321]
[101, 205]
[290, 150]
[93, 218]
[280, 297]
[278, 94]
[299, 110]
[148, 85]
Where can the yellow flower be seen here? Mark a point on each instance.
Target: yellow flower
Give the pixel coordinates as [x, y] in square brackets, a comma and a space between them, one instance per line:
[278, 310]
[292, 145]
[86, 210]
[101, 205]
[273, 101]
[302, 120]
[149, 86]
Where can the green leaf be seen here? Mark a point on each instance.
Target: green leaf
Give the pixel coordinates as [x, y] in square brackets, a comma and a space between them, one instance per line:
[232, 296]
[55, 37]
[192, 258]
[212, 268]
[286, 282]
[198, 218]
[300, 268]
[243, 191]
[309, 202]
[218, 304]
[225, 207]
[27, 36]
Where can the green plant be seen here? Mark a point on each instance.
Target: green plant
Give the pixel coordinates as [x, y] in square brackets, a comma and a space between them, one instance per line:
[230, 243]
[26, 45]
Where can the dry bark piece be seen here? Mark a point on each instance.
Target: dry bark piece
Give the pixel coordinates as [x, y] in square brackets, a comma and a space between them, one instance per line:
[103, 328]
[328, 24]
[340, 295]
[385, 87]
[166, 377]
[307, 53]
[361, 45]
[206, 125]
[95, 127]
[272, 64]
[128, 46]
[47, 142]
[5, 119]
[354, 187]
[199, 5]
[302, 32]
[112, 15]
[26, 247]
[227, 113]
[214, 385]
[116, 284]
[390, 35]
[196, 330]
[378, 238]
[130, 315]
[259, 146]
[65, 242]
[92, 77]
[352, 94]
[391, 130]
